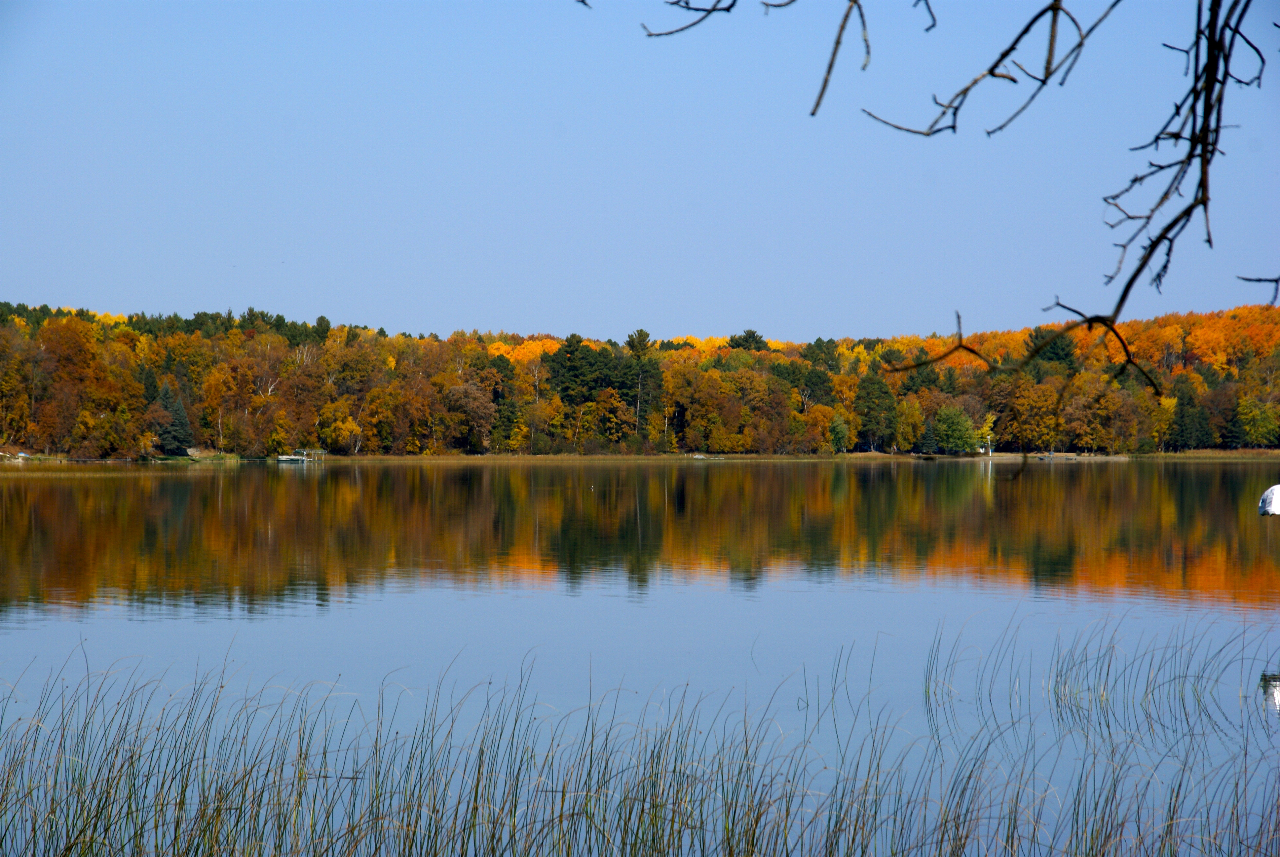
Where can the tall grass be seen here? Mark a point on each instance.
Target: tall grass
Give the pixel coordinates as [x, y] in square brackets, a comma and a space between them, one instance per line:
[1166, 750]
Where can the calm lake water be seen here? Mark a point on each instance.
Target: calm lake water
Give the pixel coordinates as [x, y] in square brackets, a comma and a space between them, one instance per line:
[1082, 649]
[725, 576]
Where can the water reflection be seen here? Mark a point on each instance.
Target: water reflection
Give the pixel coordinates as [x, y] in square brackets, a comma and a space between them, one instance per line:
[1270, 684]
[252, 534]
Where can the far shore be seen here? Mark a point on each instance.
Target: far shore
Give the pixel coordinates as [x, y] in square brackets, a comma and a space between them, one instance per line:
[207, 457]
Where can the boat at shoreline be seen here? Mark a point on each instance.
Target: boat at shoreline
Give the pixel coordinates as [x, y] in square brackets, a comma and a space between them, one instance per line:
[301, 456]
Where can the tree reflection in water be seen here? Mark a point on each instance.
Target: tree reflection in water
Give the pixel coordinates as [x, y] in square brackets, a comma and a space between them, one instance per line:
[249, 533]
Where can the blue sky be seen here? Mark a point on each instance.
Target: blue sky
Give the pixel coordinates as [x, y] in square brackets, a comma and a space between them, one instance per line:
[540, 166]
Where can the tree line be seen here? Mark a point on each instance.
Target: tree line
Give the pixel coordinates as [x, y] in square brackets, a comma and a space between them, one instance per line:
[95, 385]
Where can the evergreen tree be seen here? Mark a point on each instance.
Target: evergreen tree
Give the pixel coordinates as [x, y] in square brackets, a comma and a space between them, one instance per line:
[813, 384]
[922, 378]
[748, 340]
[950, 383]
[150, 389]
[638, 343]
[176, 436]
[822, 354]
[878, 409]
[507, 410]
[1190, 428]
[1234, 433]
[1061, 350]
[577, 371]
[928, 443]
[643, 375]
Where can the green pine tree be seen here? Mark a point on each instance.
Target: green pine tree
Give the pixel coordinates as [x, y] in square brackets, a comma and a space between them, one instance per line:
[748, 340]
[1190, 429]
[176, 436]
[150, 389]
[577, 371]
[1061, 350]
[928, 443]
[1234, 434]
[878, 409]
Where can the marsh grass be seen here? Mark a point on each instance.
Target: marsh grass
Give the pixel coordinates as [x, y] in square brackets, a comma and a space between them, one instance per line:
[1168, 749]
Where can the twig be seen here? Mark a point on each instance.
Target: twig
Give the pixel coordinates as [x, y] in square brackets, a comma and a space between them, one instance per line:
[703, 12]
[831, 63]
[1275, 281]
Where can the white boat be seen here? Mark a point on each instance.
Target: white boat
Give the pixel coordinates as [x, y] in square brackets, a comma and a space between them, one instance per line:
[302, 456]
[1270, 502]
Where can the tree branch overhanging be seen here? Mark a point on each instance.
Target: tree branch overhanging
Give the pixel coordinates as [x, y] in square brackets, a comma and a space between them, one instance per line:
[702, 13]
[1274, 281]
[1193, 129]
[1191, 135]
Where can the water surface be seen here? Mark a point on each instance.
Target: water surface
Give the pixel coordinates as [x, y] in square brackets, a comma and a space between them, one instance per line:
[725, 575]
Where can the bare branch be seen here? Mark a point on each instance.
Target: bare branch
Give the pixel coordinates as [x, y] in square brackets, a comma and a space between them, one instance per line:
[933, 19]
[1275, 281]
[949, 110]
[960, 346]
[1109, 324]
[1088, 322]
[1142, 207]
[1195, 126]
[831, 63]
[703, 13]
[1193, 129]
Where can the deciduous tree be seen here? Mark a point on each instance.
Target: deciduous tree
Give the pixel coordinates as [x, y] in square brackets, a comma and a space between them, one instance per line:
[954, 430]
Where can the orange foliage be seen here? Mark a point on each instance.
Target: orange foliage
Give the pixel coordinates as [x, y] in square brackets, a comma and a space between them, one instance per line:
[84, 384]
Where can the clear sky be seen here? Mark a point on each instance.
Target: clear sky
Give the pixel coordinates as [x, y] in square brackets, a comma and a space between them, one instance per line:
[544, 167]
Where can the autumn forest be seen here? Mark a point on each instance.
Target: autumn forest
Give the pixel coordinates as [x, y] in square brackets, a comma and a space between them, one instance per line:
[91, 386]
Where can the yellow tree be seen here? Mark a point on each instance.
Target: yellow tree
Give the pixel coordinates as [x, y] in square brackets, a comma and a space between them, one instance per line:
[15, 391]
[1034, 421]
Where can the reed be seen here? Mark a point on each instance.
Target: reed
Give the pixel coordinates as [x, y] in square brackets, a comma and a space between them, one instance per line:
[1168, 749]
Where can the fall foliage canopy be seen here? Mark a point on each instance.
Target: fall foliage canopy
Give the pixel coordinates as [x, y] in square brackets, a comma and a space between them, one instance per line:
[93, 385]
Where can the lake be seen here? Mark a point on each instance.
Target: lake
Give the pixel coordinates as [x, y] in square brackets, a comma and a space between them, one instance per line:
[742, 581]
[659, 571]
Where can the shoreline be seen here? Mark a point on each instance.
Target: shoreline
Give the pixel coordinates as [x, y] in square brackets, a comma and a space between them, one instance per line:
[9, 463]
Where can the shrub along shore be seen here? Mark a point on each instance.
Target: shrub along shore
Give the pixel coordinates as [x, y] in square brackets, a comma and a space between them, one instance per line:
[92, 385]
